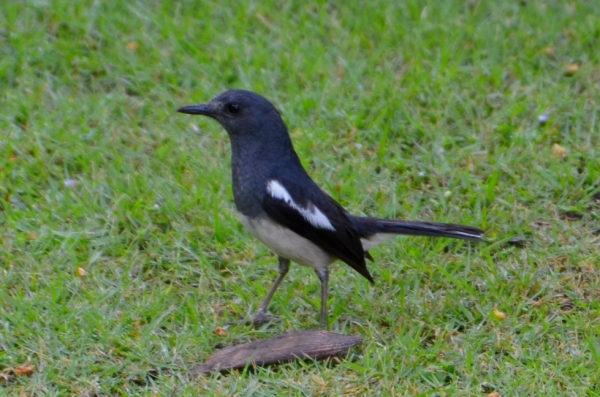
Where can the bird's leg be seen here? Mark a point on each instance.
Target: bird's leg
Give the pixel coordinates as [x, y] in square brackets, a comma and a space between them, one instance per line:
[324, 278]
[261, 316]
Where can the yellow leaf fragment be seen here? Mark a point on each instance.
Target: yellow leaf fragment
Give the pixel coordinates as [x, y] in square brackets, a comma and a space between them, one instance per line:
[133, 46]
[550, 52]
[571, 69]
[499, 315]
[558, 150]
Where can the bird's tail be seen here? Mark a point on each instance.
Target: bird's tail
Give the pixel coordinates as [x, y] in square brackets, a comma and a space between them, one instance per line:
[374, 230]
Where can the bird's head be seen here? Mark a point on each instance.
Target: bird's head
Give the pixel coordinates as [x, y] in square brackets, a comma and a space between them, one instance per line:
[241, 113]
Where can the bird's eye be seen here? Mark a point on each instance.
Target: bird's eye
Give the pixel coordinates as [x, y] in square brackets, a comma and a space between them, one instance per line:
[233, 108]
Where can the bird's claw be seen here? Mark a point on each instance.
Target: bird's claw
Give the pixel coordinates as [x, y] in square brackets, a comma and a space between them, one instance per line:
[256, 320]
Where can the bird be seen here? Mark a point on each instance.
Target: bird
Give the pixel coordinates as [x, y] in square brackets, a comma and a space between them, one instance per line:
[280, 204]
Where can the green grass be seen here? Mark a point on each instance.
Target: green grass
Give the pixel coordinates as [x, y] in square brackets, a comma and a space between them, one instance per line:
[425, 110]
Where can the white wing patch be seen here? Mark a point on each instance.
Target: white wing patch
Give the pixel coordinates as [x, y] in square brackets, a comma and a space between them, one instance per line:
[312, 214]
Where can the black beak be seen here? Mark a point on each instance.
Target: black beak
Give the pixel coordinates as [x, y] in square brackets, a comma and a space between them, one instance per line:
[203, 109]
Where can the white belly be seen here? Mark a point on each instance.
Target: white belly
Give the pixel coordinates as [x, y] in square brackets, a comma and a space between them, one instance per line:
[287, 244]
[376, 239]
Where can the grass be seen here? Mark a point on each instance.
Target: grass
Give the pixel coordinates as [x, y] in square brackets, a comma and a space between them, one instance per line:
[425, 110]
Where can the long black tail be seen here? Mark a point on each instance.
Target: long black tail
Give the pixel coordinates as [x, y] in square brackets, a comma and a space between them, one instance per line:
[369, 227]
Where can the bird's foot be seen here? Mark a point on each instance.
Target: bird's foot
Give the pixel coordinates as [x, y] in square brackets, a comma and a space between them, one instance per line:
[256, 320]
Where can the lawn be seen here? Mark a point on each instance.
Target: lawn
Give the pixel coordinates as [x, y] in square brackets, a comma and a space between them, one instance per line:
[121, 253]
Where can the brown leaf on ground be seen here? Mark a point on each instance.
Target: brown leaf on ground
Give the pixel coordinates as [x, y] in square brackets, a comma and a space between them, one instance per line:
[24, 370]
[222, 332]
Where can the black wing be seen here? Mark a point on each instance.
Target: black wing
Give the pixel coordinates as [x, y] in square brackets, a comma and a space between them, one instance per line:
[314, 215]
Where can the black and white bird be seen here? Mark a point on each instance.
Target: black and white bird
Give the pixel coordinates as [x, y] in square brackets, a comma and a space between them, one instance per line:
[283, 207]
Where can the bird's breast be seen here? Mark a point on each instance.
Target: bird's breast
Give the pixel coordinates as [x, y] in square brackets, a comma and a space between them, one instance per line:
[286, 243]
